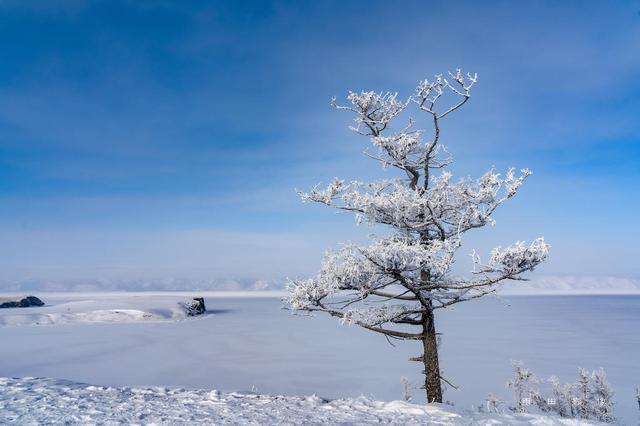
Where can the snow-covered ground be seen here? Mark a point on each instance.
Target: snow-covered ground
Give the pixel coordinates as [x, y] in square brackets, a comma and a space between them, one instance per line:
[72, 308]
[93, 311]
[47, 401]
[250, 343]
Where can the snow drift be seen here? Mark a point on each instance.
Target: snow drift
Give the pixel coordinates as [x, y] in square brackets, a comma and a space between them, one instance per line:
[48, 401]
[79, 308]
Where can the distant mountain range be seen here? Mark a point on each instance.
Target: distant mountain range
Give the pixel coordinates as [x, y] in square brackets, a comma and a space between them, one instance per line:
[558, 284]
[168, 284]
[548, 284]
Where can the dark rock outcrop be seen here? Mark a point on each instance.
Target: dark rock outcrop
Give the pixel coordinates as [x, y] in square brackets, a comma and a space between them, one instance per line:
[26, 302]
[195, 307]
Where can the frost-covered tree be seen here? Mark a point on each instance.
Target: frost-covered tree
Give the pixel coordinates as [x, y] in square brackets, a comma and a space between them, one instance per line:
[562, 398]
[602, 397]
[583, 395]
[524, 388]
[591, 397]
[396, 283]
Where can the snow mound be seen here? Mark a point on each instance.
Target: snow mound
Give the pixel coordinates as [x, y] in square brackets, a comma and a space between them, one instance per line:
[49, 401]
[80, 309]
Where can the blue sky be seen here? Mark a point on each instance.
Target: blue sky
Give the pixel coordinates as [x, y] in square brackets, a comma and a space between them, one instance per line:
[152, 139]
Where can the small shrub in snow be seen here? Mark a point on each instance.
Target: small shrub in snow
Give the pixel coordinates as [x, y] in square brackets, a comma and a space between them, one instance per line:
[560, 401]
[523, 386]
[407, 389]
[590, 398]
[492, 404]
[602, 397]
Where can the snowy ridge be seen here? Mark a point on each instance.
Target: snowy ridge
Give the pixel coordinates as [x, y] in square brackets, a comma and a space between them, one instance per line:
[97, 308]
[559, 284]
[157, 284]
[49, 401]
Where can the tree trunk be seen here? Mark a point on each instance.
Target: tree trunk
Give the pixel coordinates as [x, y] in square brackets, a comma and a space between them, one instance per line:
[430, 359]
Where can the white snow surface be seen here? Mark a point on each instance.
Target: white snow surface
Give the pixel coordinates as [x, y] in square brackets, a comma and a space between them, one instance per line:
[110, 307]
[249, 342]
[88, 308]
[48, 401]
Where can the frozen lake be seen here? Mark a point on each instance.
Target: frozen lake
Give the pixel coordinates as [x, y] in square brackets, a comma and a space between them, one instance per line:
[251, 343]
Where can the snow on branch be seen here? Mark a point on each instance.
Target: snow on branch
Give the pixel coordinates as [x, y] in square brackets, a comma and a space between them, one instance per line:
[373, 110]
[344, 269]
[399, 148]
[305, 294]
[405, 258]
[365, 270]
[429, 92]
[443, 210]
[514, 259]
[377, 315]
[405, 149]
[325, 196]
[427, 212]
